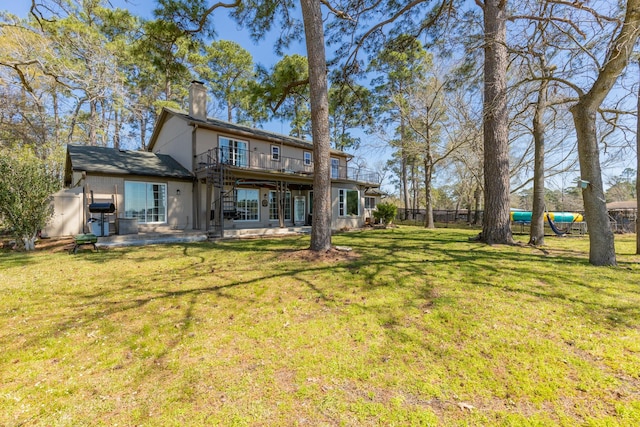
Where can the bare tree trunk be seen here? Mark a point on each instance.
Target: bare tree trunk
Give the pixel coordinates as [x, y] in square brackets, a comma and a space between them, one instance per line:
[414, 190]
[93, 135]
[314, 35]
[638, 173]
[536, 234]
[601, 242]
[143, 131]
[56, 118]
[116, 129]
[455, 212]
[476, 215]
[496, 227]
[404, 179]
[428, 174]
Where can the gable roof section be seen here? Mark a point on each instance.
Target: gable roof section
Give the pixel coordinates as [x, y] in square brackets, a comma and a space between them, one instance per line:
[623, 205]
[233, 128]
[110, 161]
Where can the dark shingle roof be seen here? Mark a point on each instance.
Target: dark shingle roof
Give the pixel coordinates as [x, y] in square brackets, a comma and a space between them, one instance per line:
[118, 162]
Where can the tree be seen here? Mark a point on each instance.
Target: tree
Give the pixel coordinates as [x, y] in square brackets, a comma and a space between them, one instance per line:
[463, 126]
[228, 68]
[427, 116]
[601, 242]
[536, 234]
[622, 188]
[496, 227]
[349, 108]
[32, 97]
[318, 86]
[285, 89]
[400, 64]
[25, 193]
[259, 17]
[87, 68]
[72, 65]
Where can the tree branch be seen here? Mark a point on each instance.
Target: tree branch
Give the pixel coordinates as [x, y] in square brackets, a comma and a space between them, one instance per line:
[287, 90]
[569, 22]
[338, 13]
[578, 4]
[203, 19]
[381, 25]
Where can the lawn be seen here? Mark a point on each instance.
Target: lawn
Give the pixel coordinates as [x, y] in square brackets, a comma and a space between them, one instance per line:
[416, 327]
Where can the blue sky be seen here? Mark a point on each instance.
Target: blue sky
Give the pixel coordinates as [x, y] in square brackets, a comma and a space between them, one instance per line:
[226, 28]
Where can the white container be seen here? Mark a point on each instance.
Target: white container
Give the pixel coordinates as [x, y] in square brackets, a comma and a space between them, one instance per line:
[99, 228]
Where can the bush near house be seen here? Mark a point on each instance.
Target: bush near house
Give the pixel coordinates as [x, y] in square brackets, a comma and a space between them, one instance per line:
[385, 212]
[26, 189]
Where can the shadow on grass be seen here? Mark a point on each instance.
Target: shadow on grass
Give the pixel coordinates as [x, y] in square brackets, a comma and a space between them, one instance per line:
[406, 263]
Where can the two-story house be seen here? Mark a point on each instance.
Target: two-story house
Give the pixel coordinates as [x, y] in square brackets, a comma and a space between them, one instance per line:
[210, 175]
[207, 174]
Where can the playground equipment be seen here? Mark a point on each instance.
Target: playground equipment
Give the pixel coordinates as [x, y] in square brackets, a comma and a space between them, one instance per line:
[524, 217]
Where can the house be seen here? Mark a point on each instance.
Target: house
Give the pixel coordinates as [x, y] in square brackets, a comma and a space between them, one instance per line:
[623, 215]
[206, 174]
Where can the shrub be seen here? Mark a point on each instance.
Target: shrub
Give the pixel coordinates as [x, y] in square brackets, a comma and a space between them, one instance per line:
[385, 212]
[26, 188]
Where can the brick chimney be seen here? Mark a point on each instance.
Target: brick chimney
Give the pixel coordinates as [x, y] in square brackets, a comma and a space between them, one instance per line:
[198, 100]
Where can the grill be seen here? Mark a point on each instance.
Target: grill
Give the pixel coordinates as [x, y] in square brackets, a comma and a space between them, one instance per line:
[102, 208]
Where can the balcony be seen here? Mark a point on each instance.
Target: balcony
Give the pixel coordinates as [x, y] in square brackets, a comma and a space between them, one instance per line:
[246, 159]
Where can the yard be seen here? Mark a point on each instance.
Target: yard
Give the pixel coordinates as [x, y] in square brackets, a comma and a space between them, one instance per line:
[414, 327]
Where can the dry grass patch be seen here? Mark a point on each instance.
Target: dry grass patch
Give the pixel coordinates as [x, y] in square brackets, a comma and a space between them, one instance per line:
[333, 255]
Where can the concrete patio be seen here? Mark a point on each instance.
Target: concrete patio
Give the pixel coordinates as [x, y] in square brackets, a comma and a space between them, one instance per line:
[166, 235]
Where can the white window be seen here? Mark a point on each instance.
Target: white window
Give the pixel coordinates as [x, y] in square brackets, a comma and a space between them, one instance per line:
[146, 201]
[233, 152]
[273, 206]
[349, 203]
[369, 202]
[275, 152]
[308, 158]
[247, 202]
[335, 167]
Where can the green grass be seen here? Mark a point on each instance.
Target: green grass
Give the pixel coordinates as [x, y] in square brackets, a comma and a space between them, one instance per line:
[424, 328]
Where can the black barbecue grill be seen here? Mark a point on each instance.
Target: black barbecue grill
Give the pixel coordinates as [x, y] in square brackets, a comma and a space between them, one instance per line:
[101, 208]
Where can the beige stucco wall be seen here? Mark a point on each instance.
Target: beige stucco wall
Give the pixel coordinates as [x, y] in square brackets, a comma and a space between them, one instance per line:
[174, 139]
[68, 216]
[351, 221]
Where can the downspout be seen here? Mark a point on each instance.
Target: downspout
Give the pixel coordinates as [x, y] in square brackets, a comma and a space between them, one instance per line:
[195, 202]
